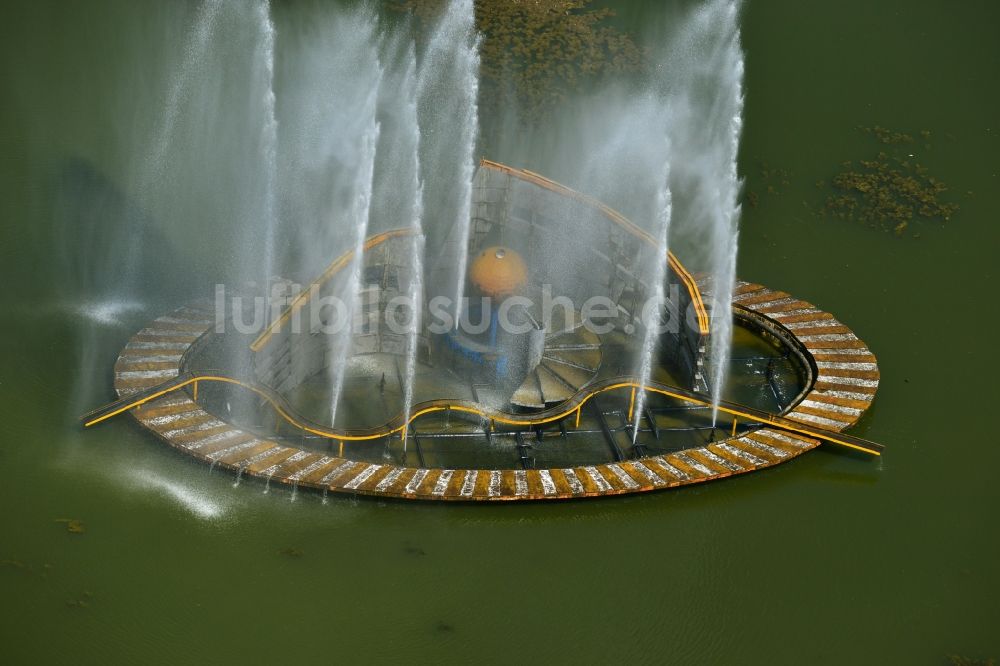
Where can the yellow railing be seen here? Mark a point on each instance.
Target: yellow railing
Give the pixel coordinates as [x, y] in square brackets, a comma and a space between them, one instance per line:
[299, 301]
[573, 406]
[617, 218]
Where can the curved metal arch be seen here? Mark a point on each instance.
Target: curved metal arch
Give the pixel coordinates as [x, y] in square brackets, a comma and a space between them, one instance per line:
[537, 179]
[528, 176]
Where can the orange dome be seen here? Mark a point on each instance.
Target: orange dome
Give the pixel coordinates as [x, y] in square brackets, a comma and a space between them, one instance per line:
[498, 271]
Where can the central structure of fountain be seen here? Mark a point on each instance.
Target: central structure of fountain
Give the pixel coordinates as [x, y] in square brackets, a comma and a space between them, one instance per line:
[525, 389]
[552, 265]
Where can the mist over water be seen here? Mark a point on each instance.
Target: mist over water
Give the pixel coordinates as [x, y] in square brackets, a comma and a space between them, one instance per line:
[185, 84]
[303, 133]
[676, 130]
[359, 219]
[179, 89]
[411, 122]
[447, 92]
[712, 126]
[328, 107]
[651, 316]
[264, 66]
[698, 102]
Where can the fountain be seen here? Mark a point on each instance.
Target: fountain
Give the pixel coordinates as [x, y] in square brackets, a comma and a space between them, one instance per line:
[447, 90]
[724, 229]
[411, 122]
[544, 325]
[653, 319]
[268, 142]
[359, 216]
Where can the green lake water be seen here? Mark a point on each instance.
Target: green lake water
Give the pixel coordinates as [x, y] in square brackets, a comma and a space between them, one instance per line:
[828, 559]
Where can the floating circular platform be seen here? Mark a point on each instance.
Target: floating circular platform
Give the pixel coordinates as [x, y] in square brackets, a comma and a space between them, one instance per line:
[844, 379]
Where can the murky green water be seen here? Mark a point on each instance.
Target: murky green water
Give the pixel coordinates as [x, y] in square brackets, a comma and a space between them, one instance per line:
[827, 559]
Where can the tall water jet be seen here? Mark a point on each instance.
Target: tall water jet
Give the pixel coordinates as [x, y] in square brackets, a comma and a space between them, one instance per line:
[268, 142]
[652, 313]
[723, 281]
[706, 94]
[114, 257]
[411, 128]
[726, 228]
[359, 217]
[331, 81]
[448, 89]
[628, 162]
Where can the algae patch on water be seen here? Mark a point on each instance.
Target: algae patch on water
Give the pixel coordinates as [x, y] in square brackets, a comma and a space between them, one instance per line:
[956, 660]
[536, 53]
[891, 190]
[766, 178]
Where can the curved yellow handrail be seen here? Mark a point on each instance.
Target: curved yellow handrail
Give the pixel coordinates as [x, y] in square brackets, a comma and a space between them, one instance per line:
[299, 301]
[400, 424]
[617, 218]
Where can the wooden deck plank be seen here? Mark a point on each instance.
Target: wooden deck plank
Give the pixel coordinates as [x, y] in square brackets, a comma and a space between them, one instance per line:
[763, 447]
[714, 462]
[371, 483]
[800, 316]
[165, 406]
[644, 475]
[738, 456]
[275, 456]
[694, 469]
[742, 454]
[289, 468]
[816, 327]
[244, 452]
[782, 305]
[568, 482]
[207, 451]
[469, 481]
[746, 288]
[144, 364]
[830, 423]
[618, 477]
[829, 410]
[593, 482]
[761, 297]
[793, 444]
[160, 339]
[314, 471]
[226, 457]
[176, 420]
[667, 469]
[263, 458]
